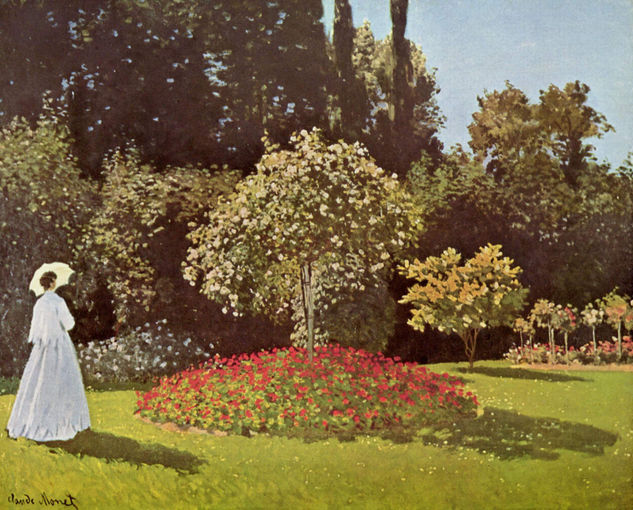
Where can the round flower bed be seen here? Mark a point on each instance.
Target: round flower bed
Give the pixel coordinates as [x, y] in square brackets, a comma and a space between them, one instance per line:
[342, 390]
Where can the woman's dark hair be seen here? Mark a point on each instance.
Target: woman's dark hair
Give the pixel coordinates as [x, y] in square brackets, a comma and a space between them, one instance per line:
[47, 279]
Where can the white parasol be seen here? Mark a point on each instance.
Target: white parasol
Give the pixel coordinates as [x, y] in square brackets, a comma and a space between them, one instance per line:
[62, 270]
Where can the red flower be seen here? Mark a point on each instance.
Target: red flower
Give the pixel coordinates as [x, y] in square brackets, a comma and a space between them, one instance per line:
[279, 378]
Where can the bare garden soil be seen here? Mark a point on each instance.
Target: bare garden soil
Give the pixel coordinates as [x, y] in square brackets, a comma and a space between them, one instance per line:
[173, 427]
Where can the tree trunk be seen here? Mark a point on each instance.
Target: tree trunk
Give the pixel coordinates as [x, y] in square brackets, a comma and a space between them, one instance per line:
[531, 347]
[552, 346]
[619, 340]
[566, 349]
[470, 342]
[308, 305]
[595, 345]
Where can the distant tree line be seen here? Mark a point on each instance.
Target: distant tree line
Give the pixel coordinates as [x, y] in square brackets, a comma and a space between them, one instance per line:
[200, 83]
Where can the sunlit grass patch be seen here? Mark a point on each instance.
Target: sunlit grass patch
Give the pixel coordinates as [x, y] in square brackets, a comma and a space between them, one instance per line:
[583, 458]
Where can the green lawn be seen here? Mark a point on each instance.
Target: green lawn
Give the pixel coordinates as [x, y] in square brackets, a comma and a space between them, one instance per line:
[542, 440]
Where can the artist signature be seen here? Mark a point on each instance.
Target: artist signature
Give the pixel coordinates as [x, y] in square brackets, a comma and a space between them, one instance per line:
[43, 500]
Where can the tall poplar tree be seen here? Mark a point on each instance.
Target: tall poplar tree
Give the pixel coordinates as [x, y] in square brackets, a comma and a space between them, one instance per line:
[351, 112]
[400, 107]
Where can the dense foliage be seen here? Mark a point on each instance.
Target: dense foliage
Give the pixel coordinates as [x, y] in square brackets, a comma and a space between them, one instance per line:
[283, 392]
[377, 100]
[187, 82]
[564, 217]
[44, 201]
[136, 238]
[194, 83]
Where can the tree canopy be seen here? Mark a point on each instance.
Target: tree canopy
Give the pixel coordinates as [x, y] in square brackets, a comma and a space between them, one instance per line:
[519, 191]
[316, 220]
[465, 298]
[187, 83]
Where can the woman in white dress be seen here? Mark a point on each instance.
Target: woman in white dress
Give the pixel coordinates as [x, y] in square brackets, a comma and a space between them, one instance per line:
[51, 402]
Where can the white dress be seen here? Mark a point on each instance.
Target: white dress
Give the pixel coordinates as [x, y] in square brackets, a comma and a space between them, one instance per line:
[51, 402]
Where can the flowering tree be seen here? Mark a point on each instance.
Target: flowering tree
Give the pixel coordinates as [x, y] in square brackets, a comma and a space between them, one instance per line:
[592, 316]
[464, 299]
[313, 217]
[564, 320]
[542, 314]
[524, 327]
[618, 311]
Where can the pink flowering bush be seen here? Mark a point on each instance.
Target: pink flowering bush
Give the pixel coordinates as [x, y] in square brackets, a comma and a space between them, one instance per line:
[607, 352]
[536, 353]
[342, 391]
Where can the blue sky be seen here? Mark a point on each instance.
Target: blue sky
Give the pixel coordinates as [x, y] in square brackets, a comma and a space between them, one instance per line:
[477, 45]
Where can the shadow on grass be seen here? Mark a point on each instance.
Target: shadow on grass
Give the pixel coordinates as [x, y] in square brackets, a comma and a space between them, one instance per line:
[509, 435]
[116, 448]
[522, 373]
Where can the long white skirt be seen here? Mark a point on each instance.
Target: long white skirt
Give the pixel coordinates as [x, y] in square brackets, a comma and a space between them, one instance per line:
[51, 402]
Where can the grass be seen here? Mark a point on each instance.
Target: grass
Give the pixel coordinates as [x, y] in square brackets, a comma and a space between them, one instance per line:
[542, 441]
